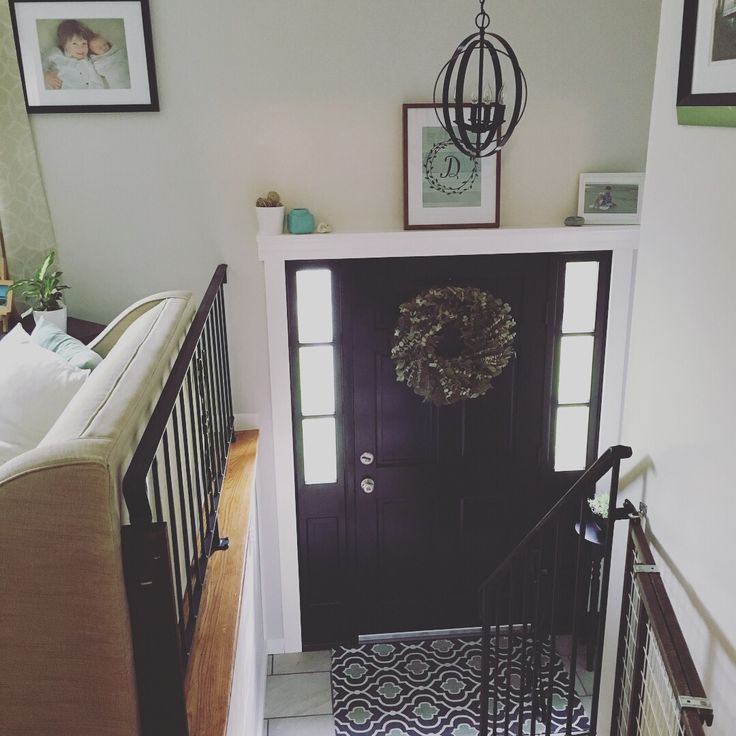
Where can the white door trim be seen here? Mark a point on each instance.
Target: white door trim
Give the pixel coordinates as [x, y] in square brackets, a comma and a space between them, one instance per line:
[275, 250]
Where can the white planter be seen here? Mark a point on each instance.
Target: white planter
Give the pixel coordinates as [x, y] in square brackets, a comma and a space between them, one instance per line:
[55, 316]
[270, 220]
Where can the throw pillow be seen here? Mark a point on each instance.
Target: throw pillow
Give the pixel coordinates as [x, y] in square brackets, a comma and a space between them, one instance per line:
[74, 352]
[35, 386]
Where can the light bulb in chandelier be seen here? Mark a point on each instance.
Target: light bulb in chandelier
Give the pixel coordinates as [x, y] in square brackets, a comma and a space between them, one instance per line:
[479, 128]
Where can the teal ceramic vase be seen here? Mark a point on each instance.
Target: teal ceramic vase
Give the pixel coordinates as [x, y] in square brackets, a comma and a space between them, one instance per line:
[300, 221]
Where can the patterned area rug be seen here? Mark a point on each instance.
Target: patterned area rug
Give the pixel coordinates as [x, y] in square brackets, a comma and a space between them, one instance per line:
[431, 688]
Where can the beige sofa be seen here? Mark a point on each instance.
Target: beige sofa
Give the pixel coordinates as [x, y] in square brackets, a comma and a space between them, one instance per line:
[65, 644]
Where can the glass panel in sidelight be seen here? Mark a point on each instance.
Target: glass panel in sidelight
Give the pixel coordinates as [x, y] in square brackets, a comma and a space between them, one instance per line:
[576, 369]
[314, 305]
[320, 450]
[581, 296]
[317, 379]
[571, 437]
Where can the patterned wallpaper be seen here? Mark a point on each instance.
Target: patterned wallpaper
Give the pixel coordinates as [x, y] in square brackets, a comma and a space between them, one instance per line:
[24, 211]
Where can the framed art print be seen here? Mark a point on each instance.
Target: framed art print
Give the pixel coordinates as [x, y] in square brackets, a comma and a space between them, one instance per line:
[610, 199]
[444, 188]
[706, 87]
[89, 56]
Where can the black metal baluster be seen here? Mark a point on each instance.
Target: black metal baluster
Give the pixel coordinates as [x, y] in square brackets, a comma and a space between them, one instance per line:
[156, 490]
[604, 583]
[175, 548]
[216, 407]
[536, 655]
[204, 419]
[225, 419]
[182, 524]
[509, 637]
[496, 655]
[580, 570]
[229, 390]
[485, 650]
[552, 636]
[196, 438]
[190, 497]
[211, 412]
[522, 672]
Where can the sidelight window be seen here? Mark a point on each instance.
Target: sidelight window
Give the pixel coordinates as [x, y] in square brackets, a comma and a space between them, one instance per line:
[576, 342]
[315, 365]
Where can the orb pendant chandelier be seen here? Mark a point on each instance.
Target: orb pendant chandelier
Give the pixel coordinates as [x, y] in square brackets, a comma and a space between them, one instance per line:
[472, 90]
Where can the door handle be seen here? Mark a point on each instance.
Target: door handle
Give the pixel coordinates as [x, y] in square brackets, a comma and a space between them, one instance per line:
[368, 485]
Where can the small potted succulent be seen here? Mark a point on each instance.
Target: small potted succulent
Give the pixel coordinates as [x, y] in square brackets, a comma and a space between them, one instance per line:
[43, 293]
[270, 214]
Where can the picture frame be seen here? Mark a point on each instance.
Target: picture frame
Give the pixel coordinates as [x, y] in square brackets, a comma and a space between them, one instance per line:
[611, 199]
[87, 56]
[706, 86]
[6, 304]
[444, 188]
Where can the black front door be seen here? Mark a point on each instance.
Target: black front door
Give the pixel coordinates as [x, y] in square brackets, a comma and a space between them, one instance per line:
[448, 490]
[454, 487]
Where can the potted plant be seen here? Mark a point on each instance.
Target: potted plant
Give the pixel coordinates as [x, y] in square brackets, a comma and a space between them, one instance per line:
[43, 292]
[270, 214]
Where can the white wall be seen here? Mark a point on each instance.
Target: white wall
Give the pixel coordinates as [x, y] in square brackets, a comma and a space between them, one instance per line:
[680, 412]
[305, 97]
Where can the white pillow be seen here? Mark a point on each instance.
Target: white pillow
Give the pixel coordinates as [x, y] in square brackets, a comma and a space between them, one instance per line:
[35, 387]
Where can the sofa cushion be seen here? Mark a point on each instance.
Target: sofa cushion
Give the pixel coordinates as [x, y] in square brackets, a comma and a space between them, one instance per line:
[120, 395]
[48, 335]
[36, 385]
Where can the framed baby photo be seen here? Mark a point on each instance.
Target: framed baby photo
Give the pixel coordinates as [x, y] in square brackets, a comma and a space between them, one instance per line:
[611, 199]
[92, 56]
[443, 187]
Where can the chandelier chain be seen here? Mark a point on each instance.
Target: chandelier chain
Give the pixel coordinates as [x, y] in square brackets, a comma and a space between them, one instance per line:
[482, 20]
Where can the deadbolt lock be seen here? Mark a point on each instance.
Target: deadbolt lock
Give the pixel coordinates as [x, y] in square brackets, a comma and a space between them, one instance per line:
[367, 458]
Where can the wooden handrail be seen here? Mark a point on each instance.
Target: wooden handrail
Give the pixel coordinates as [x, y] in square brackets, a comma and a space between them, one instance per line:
[676, 655]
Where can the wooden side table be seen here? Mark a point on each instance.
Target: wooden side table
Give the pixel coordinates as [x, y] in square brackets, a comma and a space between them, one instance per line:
[84, 330]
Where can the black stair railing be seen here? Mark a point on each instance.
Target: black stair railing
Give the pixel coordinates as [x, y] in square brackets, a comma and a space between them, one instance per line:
[549, 587]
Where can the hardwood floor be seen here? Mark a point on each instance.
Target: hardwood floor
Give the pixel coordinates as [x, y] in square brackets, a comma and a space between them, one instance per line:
[209, 674]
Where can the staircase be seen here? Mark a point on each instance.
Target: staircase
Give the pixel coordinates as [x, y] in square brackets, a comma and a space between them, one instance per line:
[540, 594]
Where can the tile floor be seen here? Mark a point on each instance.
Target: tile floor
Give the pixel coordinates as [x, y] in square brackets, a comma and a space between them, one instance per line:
[298, 695]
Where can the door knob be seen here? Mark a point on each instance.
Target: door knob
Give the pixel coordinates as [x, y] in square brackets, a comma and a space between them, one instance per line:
[367, 458]
[367, 484]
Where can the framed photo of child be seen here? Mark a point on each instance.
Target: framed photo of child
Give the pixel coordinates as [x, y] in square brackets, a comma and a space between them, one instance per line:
[611, 199]
[91, 56]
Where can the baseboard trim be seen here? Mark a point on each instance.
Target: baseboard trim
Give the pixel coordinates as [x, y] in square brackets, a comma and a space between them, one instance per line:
[438, 633]
[275, 646]
[246, 421]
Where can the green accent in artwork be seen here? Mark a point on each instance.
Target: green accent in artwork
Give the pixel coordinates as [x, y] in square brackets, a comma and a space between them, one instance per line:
[450, 167]
[710, 115]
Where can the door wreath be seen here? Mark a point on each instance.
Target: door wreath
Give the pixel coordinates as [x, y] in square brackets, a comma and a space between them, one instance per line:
[451, 342]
